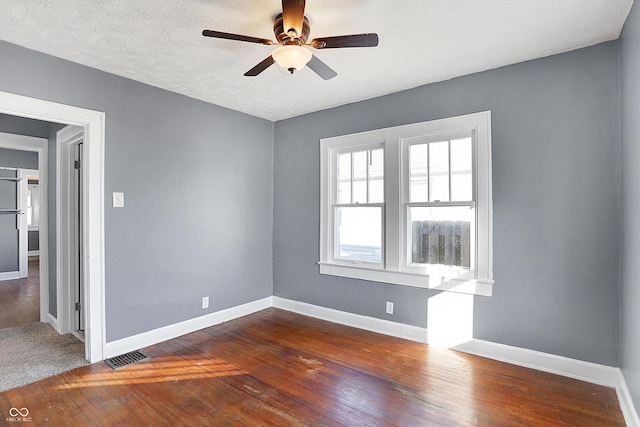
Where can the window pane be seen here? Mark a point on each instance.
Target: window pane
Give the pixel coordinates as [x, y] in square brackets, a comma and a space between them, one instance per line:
[344, 178]
[439, 171]
[33, 204]
[441, 235]
[376, 176]
[359, 234]
[360, 177]
[418, 183]
[461, 166]
[29, 208]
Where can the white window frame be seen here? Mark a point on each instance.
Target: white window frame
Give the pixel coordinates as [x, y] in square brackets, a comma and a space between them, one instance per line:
[395, 269]
[335, 204]
[33, 193]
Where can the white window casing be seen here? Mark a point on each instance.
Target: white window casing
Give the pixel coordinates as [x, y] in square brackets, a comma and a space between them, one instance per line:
[395, 267]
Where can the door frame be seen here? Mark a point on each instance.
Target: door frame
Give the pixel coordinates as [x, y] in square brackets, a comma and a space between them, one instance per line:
[25, 173]
[23, 191]
[93, 193]
[66, 222]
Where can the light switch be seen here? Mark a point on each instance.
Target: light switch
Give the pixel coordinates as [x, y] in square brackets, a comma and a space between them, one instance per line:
[118, 200]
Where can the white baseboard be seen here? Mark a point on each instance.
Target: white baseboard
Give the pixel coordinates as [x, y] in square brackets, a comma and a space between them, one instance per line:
[400, 330]
[585, 371]
[145, 339]
[626, 402]
[33, 253]
[54, 323]
[10, 275]
[572, 368]
[594, 373]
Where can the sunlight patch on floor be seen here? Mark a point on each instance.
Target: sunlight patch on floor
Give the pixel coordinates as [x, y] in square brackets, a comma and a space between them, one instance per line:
[158, 370]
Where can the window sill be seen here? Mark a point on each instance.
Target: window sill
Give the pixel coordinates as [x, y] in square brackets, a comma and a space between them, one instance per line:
[459, 285]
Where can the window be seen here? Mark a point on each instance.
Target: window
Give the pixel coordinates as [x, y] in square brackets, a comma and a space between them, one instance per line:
[358, 204]
[410, 205]
[33, 204]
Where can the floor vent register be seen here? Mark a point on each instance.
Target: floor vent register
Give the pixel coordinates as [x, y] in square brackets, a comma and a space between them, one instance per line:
[125, 359]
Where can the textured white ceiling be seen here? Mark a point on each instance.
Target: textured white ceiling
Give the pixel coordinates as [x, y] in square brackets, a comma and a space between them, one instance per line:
[159, 42]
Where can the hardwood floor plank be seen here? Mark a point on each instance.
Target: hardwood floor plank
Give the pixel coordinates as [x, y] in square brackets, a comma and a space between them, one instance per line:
[282, 369]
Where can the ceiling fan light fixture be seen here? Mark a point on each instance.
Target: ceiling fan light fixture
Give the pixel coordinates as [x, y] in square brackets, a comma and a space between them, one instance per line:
[292, 30]
[291, 57]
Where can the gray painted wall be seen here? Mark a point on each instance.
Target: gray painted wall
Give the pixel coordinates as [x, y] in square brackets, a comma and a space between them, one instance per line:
[23, 126]
[197, 180]
[33, 240]
[556, 198]
[18, 158]
[630, 290]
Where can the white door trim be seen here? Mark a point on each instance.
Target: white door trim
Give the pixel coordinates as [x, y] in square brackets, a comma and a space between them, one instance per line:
[26, 173]
[23, 191]
[40, 146]
[93, 239]
[64, 225]
[23, 232]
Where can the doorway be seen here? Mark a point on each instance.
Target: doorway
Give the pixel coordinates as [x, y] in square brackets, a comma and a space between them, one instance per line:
[70, 214]
[39, 147]
[92, 240]
[20, 301]
[20, 320]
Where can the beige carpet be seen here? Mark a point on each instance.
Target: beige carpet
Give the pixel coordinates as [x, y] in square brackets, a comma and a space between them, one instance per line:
[35, 351]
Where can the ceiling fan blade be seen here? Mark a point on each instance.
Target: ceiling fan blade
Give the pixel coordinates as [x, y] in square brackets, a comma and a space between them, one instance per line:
[238, 37]
[353, 40]
[266, 63]
[320, 68]
[293, 16]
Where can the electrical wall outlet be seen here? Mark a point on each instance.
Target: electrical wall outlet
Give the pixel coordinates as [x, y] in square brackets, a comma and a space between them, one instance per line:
[205, 302]
[389, 307]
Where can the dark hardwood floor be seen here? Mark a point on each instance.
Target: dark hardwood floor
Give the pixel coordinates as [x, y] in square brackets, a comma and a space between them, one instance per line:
[20, 299]
[276, 368]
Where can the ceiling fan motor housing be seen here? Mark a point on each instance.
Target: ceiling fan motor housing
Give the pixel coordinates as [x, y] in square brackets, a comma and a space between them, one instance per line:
[284, 38]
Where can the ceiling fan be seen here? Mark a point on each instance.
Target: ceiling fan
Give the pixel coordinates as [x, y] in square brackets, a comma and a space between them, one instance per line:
[292, 29]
